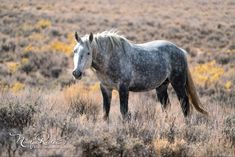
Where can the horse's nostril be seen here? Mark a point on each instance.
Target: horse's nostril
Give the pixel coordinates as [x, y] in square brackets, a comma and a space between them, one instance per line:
[77, 74]
[74, 73]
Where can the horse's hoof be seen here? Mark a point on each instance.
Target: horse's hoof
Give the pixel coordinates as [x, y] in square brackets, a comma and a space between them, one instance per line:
[126, 117]
[106, 118]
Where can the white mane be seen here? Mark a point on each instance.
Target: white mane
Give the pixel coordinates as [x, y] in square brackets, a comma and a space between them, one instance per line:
[111, 37]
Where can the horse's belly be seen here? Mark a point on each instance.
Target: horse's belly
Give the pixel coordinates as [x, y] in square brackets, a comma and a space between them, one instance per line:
[141, 88]
[144, 86]
[147, 80]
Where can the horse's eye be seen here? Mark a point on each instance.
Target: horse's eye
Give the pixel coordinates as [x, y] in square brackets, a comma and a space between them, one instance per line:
[88, 53]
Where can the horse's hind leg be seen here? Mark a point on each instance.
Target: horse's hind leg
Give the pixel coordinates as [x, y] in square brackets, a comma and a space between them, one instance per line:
[178, 83]
[107, 96]
[162, 94]
[123, 96]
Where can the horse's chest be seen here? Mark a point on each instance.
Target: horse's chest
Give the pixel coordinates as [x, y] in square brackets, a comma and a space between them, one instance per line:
[107, 80]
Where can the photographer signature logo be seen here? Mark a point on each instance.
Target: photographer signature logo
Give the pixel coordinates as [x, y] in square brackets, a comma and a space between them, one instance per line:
[44, 140]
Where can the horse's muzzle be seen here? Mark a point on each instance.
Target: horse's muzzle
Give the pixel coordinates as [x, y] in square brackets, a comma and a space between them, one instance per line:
[77, 74]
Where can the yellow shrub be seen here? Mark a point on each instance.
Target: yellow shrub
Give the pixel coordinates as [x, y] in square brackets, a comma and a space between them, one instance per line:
[115, 93]
[163, 145]
[95, 87]
[37, 36]
[54, 46]
[64, 47]
[12, 66]
[81, 90]
[207, 74]
[3, 86]
[43, 23]
[17, 87]
[71, 39]
[24, 61]
[74, 91]
[58, 46]
[228, 85]
[230, 51]
[30, 48]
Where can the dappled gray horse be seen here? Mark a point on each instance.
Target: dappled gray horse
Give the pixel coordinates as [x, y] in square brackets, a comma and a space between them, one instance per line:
[123, 66]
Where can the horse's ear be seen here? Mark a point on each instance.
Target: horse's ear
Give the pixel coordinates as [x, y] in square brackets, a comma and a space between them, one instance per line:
[91, 37]
[77, 37]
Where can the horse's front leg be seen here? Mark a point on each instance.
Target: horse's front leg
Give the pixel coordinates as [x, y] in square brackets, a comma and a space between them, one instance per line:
[123, 96]
[107, 97]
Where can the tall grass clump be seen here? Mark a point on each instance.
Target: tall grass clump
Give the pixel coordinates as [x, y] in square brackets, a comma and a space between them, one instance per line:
[16, 115]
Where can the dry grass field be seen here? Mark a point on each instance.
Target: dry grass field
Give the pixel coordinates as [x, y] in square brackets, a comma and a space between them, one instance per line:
[45, 112]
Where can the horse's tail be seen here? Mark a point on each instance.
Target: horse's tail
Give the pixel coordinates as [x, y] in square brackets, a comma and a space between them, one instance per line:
[190, 87]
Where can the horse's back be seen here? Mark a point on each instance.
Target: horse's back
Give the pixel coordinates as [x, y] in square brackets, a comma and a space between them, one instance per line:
[150, 65]
[153, 63]
[158, 51]
[176, 56]
[156, 44]
[165, 48]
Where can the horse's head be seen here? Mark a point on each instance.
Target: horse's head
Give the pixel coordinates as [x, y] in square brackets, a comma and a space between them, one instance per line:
[82, 55]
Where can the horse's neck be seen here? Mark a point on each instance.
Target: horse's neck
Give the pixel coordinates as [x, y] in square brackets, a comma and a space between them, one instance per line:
[101, 56]
[99, 59]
